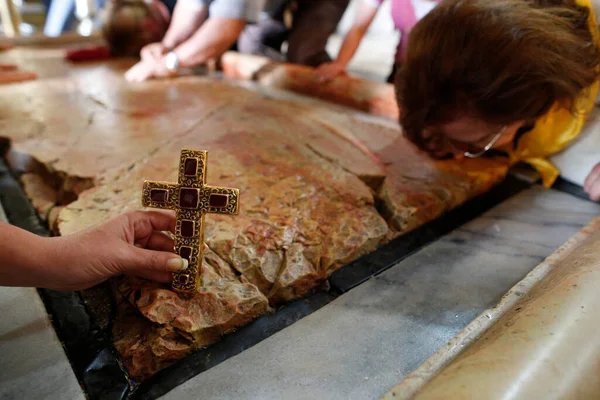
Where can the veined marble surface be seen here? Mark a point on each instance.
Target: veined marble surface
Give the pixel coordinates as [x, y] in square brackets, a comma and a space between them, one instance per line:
[370, 338]
[33, 364]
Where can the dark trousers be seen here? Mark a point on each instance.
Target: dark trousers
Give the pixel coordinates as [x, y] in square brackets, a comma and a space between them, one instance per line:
[313, 22]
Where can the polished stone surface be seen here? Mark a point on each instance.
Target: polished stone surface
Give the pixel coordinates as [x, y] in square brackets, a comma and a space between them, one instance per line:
[367, 340]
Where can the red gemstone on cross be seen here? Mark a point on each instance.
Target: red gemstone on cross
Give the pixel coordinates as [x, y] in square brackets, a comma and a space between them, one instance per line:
[187, 228]
[159, 195]
[186, 253]
[218, 200]
[190, 167]
[183, 279]
[188, 198]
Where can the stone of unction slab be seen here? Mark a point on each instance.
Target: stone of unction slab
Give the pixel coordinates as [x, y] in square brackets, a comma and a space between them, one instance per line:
[180, 323]
[416, 189]
[42, 196]
[309, 178]
[373, 97]
[53, 218]
[302, 217]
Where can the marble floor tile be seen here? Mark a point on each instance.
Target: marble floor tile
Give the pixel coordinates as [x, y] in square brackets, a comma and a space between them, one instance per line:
[367, 340]
[33, 364]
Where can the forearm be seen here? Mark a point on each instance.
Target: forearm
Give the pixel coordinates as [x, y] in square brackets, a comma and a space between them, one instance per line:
[26, 259]
[349, 46]
[362, 22]
[214, 38]
[186, 20]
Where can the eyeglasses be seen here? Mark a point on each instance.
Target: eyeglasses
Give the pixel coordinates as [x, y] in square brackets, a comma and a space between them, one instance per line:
[491, 144]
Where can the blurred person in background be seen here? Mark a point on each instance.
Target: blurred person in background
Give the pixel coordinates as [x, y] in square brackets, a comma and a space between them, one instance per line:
[405, 14]
[304, 24]
[199, 30]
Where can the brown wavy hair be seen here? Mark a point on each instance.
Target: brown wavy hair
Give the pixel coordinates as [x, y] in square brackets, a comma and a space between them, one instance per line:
[500, 61]
[129, 25]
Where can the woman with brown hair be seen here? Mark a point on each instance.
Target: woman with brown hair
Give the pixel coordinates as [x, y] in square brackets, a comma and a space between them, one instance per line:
[517, 76]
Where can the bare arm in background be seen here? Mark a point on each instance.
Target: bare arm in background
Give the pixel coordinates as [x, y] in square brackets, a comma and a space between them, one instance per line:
[209, 38]
[214, 38]
[363, 20]
[187, 18]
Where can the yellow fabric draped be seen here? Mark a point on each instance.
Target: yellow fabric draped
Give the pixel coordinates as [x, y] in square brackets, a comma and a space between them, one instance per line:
[554, 131]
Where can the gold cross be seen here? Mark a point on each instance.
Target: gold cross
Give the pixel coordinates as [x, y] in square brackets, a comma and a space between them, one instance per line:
[191, 199]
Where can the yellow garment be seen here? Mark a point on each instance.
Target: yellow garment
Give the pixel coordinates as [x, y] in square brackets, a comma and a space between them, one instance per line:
[554, 131]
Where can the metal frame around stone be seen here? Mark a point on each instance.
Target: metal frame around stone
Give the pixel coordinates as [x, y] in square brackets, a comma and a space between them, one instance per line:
[191, 199]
